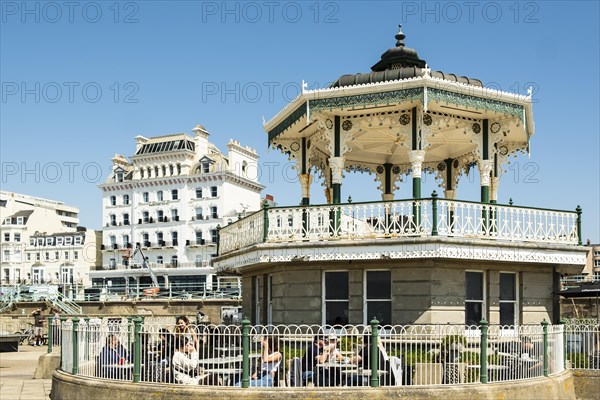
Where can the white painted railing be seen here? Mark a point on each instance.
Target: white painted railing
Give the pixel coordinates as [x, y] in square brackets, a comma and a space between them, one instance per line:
[243, 233]
[401, 218]
[214, 355]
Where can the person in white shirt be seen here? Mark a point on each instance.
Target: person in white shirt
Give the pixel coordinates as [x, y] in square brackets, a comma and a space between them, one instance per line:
[185, 365]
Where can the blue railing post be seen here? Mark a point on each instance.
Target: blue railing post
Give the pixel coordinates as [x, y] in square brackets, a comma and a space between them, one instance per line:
[374, 352]
[245, 353]
[483, 378]
[75, 369]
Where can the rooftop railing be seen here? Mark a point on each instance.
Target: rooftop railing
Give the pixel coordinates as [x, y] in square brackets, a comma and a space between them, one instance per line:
[402, 218]
[136, 350]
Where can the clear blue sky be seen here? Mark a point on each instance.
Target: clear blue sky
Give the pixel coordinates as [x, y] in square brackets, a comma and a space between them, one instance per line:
[163, 67]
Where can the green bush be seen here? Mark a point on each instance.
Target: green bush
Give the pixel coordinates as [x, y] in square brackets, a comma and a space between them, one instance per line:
[578, 360]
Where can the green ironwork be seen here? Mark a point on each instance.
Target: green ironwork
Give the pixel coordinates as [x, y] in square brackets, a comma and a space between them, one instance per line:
[434, 214]
[137, 349]
[370, 99]
[288, 121]
[245, 353]
[483, 378]
[478, 103]
[75, 369]
[374, 352]
[218, 237]
[578, 210]
[545, 330]
[485, 194]
[265, 221]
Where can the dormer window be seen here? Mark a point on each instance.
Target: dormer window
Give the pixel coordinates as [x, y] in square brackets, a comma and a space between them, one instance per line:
[119, 176]
[205, 167]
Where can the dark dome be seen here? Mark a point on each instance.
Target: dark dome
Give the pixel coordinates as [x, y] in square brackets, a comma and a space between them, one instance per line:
[399, 63]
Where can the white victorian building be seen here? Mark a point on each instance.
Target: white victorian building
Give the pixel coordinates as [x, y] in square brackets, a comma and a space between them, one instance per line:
[43, 244]
[168, 200]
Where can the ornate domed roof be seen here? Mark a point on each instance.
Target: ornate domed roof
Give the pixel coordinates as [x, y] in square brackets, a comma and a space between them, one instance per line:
[399, 63]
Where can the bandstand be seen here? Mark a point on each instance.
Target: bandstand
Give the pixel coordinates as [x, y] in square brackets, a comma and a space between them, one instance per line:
[427, 259]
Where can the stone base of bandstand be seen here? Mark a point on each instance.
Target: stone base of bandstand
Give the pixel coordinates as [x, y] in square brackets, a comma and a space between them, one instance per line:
[47, 364]
[66, 386]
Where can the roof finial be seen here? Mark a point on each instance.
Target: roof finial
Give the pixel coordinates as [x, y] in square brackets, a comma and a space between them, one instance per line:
[400, 37]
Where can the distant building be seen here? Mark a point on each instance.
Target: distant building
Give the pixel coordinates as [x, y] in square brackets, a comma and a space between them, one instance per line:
[168, 199]
[42, 243]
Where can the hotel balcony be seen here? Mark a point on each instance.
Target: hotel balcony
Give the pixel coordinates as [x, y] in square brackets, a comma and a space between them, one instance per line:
[423, 228]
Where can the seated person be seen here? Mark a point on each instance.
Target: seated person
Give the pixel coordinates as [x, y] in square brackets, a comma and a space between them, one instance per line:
[363, 360]
[112, 354]
[531, 361]
[270, 357]
[327, 375]
[185, 365]
[313, 355]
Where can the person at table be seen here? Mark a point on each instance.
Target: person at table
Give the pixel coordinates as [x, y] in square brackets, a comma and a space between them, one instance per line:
[313, 355]
[329, 375]
[185, 365]
[531, 361]
[270, 358]
[363, 360]
[183, 327]
[113, 354]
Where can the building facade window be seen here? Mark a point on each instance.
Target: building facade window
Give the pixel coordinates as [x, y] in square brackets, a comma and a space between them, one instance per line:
[174, 215]
[60, 240]
[199, 237]
[335, 297]
[126, 219]
[159, 260]
[474, 297]
[17, 237]
[198, 193]
[113, 200]
[206, 167]
[213, 191]
[7, 237]
[214, 235]
[174, 238]
[126, 199]
[159, 195]
[159, 238]
[145, 197]
[378, 297]
[198, 213]
[160, 215]
[174, 261]
[77, 240]
[75, 255]
[125, 240]
[213, 212]
[174, 194]
[509, 310]
[69, 240]
[146, 239]
[145, 217]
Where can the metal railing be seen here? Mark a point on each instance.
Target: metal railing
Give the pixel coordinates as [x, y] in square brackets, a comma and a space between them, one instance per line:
[402, 218]
[182, 291]
[138, 350]
[582, 343]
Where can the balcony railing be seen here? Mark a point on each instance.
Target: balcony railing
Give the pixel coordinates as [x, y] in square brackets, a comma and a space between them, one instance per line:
[403, 218]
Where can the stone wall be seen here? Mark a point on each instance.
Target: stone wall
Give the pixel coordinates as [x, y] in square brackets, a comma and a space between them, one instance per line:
[423, 291]
[65, 386]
